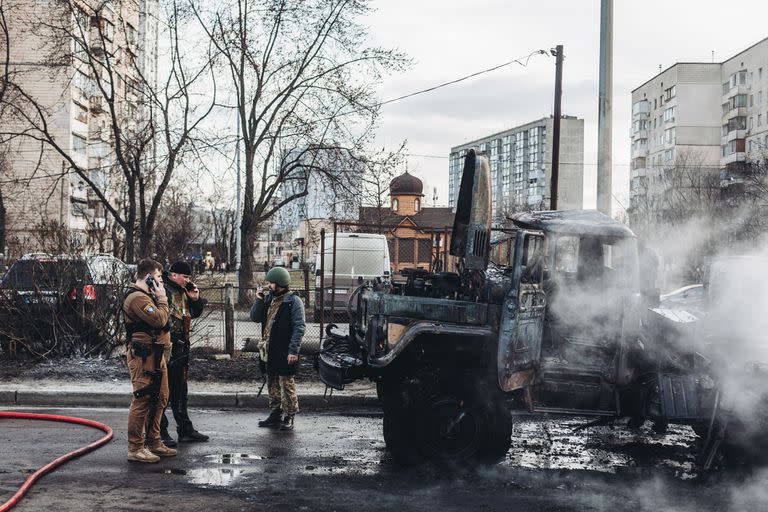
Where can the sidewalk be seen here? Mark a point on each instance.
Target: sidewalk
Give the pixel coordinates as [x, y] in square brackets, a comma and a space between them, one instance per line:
[205, 395]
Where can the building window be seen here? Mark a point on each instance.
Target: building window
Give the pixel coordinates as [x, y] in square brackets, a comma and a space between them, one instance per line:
[669, 135]
[740, 100]
[406, 250]
[751, 100]
[669, 93]
[669, 114]
[425, 250]
[394, 205]
[417, 205]
[759, 119]
[78, 144]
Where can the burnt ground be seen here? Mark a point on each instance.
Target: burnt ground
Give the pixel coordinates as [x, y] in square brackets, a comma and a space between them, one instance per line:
[202, 368]
[337, 462]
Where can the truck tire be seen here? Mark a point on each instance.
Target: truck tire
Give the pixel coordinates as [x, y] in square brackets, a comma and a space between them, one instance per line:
[399, 424]
[468, 424]
[454, 430]
[400, 438]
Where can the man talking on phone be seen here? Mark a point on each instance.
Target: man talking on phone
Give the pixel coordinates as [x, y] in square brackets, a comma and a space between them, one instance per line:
[146, 324]
[184, 304]
[281, 315]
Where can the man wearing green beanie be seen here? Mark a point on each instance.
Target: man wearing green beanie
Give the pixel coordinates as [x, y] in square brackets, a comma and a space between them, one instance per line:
[281, 315]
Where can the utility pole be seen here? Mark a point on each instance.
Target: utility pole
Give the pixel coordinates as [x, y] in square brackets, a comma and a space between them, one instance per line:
[238, 215]
[554, 180]
[604, 110]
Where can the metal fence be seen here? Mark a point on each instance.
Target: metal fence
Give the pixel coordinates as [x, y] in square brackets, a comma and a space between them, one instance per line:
[349, 255]
[225, 325]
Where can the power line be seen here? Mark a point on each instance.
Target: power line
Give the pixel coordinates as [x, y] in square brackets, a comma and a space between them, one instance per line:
[523, 61]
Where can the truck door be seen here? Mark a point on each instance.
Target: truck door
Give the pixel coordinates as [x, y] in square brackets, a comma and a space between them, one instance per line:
[522, 315]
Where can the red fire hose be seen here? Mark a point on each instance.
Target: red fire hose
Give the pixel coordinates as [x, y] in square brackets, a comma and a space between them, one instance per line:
[34, 477]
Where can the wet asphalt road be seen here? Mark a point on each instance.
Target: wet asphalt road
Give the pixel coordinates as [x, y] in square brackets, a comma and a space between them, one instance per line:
[336, 461]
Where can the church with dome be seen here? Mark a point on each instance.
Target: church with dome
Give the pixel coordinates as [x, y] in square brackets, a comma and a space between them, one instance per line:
[418, 235]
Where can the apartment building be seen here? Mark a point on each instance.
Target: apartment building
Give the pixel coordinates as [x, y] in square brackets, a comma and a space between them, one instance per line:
[521, 166]
[707, 116]
[53, 48]
[333, 182]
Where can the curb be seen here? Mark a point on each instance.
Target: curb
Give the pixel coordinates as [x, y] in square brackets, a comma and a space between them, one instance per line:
[244, 401]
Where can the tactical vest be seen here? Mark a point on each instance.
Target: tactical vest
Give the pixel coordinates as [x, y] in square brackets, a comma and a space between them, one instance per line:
[139, 325]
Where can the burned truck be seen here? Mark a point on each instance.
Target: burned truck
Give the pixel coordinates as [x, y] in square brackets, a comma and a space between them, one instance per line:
[545, 318]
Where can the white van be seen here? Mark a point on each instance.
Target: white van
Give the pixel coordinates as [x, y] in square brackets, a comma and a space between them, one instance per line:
[358, 255]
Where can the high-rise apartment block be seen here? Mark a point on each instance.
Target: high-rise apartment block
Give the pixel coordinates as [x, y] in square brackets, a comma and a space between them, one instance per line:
[53, 48]
[704, 116]
[521, 166]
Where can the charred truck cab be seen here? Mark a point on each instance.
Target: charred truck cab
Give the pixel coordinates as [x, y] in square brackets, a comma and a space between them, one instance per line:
[545, 318]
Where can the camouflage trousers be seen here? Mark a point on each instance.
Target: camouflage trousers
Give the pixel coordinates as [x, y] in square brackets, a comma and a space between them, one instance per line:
[282, 393]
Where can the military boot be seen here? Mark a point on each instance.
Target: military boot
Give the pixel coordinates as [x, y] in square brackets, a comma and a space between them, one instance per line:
[143, 455]
[167, 439]
[287, 423]
[273, 420]
[163, 451]
[193, 436]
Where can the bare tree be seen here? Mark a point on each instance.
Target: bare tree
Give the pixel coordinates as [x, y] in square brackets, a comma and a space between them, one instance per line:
[146, 124]
[178, 226]
[380, 169]
[303, 77]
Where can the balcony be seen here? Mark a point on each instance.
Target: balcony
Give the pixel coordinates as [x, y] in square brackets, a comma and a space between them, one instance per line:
[733, 158]
[733, 135]
[96, 103]
[640, 151]
[640, 134]
[735, 112]
[732, 91]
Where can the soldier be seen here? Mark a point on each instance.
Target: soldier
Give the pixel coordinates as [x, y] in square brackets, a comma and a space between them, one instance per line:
[184, 304]
[146, 322]
[281, 314]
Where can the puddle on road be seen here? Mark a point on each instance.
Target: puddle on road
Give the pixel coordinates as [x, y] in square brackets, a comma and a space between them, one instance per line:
[235, 459]
[351, 465]
[174, 471]
[555, 444]
[216, 477]
[211, 477]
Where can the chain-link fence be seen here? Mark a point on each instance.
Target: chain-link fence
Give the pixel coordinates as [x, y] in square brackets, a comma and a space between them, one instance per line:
[226, 325]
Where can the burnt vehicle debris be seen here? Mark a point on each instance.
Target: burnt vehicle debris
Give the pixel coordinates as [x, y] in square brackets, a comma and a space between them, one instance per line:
[546, 318]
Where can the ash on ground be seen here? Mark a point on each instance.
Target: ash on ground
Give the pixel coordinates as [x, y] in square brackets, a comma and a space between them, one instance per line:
[203, 367]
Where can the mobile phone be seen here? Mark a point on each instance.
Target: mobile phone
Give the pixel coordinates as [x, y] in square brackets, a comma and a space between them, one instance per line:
[191, 286]
[151, 283]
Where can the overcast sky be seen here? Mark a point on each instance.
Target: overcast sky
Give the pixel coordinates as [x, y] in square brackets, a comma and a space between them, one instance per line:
[448, 39]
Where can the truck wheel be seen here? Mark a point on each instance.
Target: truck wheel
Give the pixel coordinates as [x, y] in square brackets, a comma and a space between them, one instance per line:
[399, 425]
[400, 438]
[499, 438]
[454, 430]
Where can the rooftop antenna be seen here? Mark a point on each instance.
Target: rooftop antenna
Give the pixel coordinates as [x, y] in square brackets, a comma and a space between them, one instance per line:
[713, 56]
[659, 68]
[434, 196]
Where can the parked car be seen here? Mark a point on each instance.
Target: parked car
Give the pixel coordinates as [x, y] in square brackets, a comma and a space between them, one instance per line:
[63, 295]
[359, 256]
